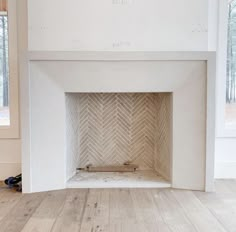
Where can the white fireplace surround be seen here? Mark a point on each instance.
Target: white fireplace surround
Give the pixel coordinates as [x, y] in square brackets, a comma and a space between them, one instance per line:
[47, 76]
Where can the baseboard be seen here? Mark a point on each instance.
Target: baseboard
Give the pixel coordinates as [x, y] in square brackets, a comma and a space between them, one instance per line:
[225, 170]
[9, 169]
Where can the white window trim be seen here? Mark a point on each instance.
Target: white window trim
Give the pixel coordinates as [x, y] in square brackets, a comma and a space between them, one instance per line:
[12, 131]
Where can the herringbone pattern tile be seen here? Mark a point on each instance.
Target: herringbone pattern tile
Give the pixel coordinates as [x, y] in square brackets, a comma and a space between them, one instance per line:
[113, 128]
[163, 134]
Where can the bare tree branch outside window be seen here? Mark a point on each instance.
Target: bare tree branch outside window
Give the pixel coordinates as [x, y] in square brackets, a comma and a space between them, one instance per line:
[4, 70]
[231, 54]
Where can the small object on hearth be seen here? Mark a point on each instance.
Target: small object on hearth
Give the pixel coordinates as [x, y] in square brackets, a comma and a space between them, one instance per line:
[127, 167]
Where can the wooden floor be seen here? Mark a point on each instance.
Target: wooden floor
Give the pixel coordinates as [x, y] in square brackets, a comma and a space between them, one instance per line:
[120, 210]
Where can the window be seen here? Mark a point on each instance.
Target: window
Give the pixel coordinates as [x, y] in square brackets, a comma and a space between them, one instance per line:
[4, 68]
[230, 109]
[9, 99]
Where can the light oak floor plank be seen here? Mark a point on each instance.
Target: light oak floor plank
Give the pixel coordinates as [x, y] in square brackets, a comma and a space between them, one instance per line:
[96, 213]
[46, 214]
[220, 208]
[148, 217]
[172, 212]
[231, 184]
[222, 187]
[71, 215]
[8, 199]
[196, 212]
[120, 210]
[19, 215]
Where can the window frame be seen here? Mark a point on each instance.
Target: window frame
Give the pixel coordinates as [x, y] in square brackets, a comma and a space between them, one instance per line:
[12, 130]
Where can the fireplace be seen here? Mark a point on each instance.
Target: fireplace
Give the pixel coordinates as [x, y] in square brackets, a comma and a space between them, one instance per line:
[153, 109]
[109, 129]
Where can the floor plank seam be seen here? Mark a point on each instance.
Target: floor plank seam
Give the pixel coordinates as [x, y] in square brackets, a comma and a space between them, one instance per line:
[59, 213]
[34, 211]
[163, 219]
[186, 213]
[83, 210]
[12, 207]
[8, 215]
[212, 213]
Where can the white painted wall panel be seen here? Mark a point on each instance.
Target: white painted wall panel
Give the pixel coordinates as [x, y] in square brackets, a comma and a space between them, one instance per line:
[225, 156]
[10, 157]
[111, 25]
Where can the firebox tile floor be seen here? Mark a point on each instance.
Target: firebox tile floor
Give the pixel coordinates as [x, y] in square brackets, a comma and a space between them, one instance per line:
[137, 179]
[120, 210]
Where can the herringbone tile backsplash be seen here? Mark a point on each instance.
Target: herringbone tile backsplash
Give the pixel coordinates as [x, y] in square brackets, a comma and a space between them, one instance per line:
[112, 128]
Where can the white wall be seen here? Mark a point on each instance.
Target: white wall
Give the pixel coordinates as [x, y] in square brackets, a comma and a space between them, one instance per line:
[119, 25]
[10, 158]
[225, 159]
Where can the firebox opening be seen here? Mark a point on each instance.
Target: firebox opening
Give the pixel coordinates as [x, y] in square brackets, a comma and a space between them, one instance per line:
[107, 130]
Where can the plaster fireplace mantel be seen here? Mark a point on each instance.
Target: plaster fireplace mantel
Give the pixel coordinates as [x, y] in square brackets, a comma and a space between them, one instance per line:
[48, 77]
